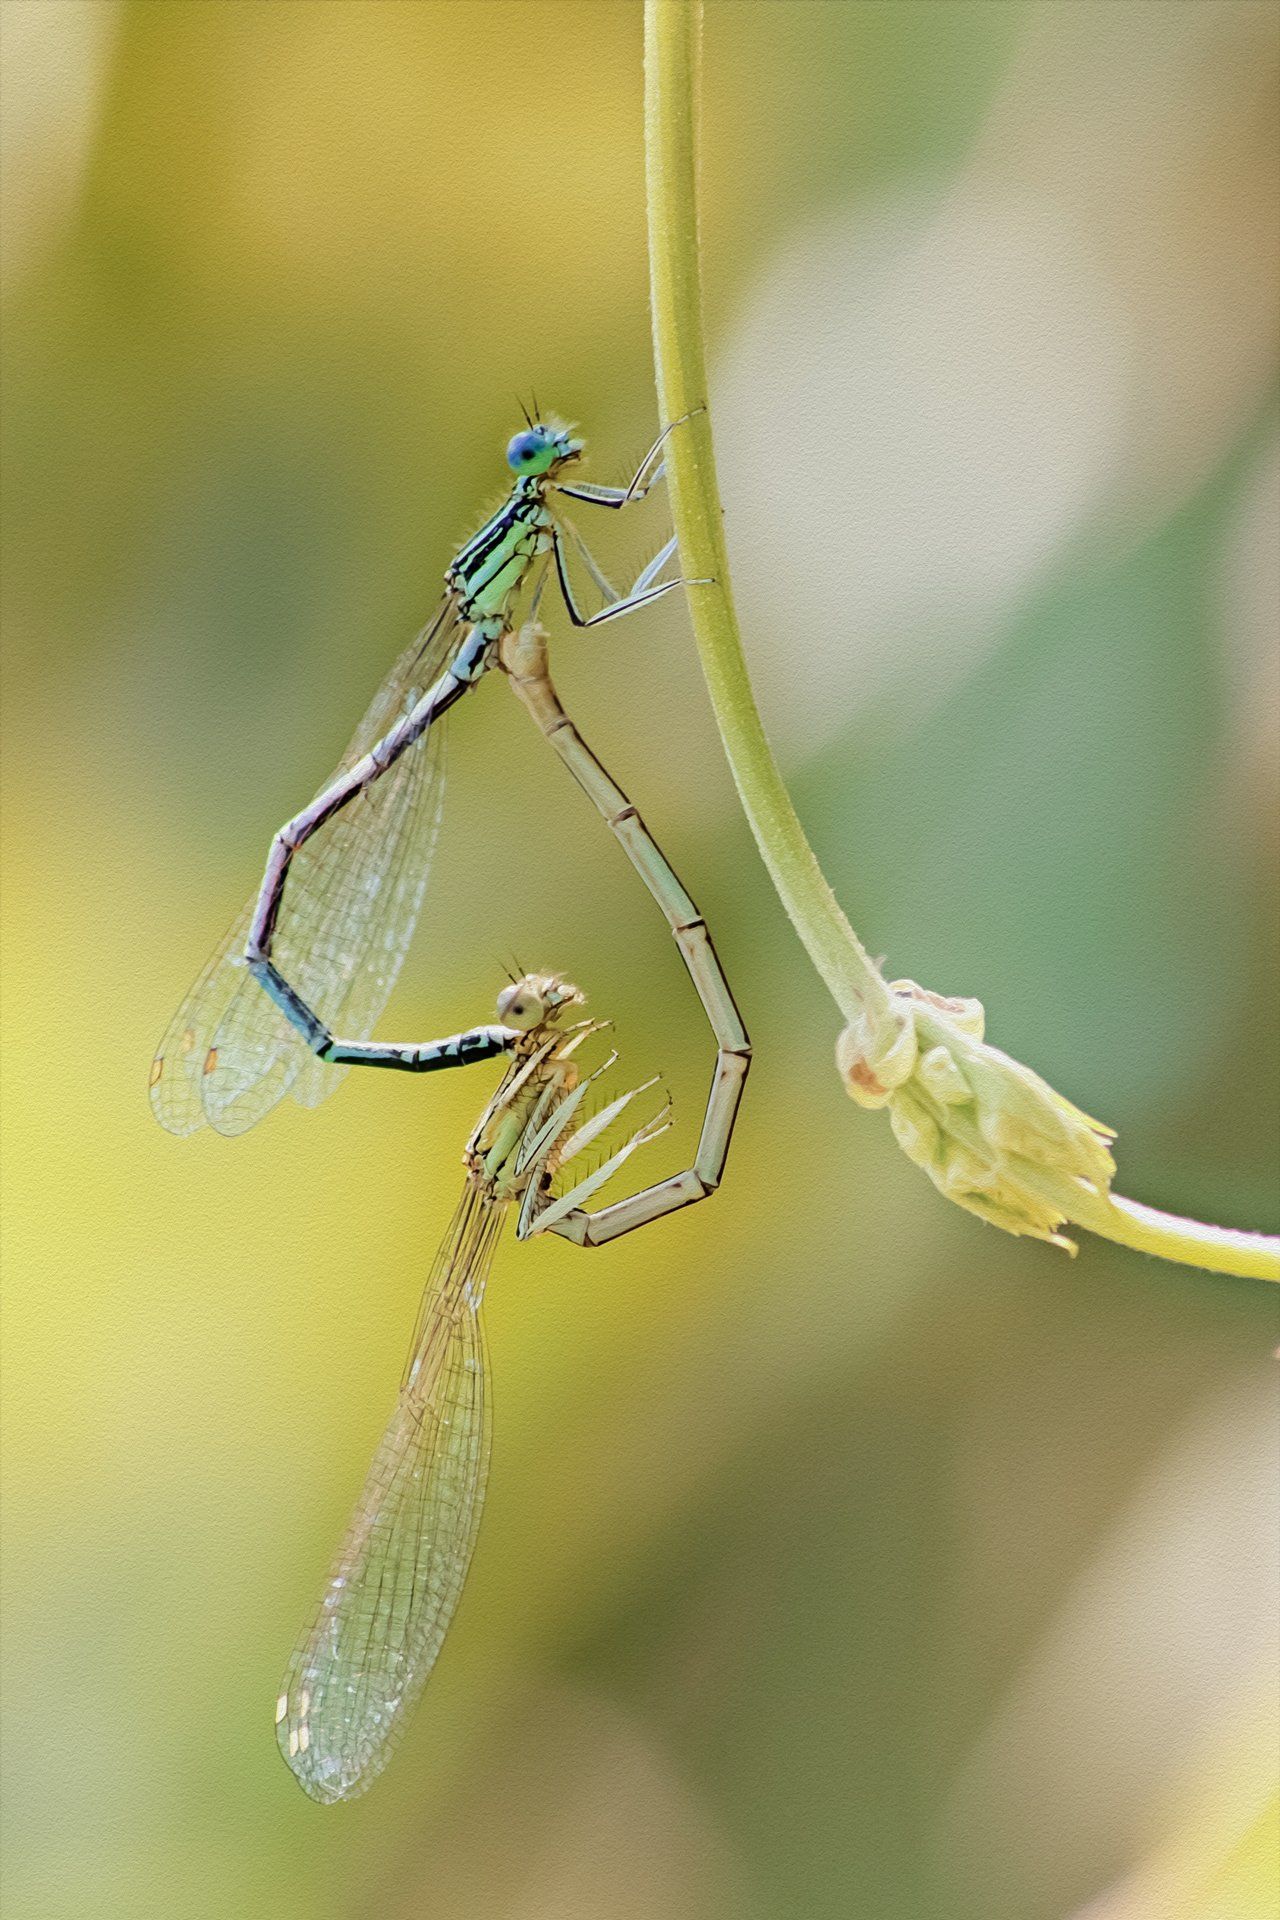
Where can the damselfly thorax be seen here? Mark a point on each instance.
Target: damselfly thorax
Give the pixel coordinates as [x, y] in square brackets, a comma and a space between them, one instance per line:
[542, 1074]
[492, 566]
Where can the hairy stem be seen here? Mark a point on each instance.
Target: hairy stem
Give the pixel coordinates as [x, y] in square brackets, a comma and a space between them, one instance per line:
[673, 35]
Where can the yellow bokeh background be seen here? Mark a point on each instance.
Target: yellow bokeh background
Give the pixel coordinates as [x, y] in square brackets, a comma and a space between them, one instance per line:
[841, 1556]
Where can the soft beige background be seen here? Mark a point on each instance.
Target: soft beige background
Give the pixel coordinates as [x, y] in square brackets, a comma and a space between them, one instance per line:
[842, 1557]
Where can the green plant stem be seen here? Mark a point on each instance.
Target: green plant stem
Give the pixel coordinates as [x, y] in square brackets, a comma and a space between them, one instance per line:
[1251, 1256]
[672, 51]
[672, 36]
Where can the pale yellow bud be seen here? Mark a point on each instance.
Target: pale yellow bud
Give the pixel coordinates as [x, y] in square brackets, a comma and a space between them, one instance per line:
[940, 1075]
[991, 1134]
[874, 1061]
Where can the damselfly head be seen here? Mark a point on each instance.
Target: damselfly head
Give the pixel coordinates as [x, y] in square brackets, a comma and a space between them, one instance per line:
[541, 448]
[536, 999]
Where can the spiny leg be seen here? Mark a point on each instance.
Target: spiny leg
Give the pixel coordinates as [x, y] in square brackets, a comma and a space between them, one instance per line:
[595, 496]
[640, 595]
[655, 566]
[524, 657]
[612, 597]
[608, 591]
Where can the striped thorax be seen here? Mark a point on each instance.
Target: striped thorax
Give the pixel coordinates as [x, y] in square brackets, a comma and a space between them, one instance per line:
[494, 562]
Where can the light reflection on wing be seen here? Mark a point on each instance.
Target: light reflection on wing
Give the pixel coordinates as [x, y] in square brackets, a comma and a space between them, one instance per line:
[350, 906]
[393, 1588]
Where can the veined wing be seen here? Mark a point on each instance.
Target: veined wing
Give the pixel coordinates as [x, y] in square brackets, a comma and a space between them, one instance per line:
[350, 907]
[349, 910]
[357, 1673]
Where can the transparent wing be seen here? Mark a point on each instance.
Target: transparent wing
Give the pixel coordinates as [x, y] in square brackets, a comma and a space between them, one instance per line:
[348, 916]
[356, 1674]
[379, 931]
[350, 908]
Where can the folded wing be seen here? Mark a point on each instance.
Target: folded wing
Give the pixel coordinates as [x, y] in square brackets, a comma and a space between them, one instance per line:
[393, 1588]
[350, 907]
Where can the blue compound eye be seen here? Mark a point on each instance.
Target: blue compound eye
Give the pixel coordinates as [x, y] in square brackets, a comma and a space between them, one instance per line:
[525, 451]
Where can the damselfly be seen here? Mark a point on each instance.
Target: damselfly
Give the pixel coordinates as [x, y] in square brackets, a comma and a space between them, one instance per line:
[398, 1576]
[392, 1590]
[341, 930]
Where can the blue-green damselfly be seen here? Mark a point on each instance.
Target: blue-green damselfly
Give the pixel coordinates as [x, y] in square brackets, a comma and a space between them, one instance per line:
[337, 913]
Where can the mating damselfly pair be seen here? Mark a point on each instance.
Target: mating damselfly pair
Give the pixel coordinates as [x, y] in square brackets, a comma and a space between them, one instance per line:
[322, 942]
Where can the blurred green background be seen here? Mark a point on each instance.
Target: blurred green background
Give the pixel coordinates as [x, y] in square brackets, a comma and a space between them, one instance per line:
[842, 1557]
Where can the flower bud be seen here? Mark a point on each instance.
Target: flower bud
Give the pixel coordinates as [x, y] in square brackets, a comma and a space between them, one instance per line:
[991, 1134]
